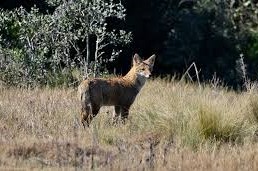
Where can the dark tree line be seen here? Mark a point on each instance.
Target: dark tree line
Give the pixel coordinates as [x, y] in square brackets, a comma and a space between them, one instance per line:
[213, 34]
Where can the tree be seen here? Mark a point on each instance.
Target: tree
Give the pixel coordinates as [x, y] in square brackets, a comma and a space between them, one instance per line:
[41, 47]
[91, 17]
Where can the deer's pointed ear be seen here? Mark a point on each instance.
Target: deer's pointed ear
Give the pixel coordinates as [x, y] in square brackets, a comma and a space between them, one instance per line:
[151, 60]
[136, 59]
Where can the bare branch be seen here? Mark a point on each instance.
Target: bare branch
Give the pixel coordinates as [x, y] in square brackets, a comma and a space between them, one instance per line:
[75, 47]
[99, 55]
[103, 46]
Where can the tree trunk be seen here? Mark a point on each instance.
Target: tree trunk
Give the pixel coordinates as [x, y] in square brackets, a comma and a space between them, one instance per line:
[86, 62]
[96, 57]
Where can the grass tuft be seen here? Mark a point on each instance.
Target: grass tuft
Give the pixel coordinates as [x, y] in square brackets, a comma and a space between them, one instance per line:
[212, 125]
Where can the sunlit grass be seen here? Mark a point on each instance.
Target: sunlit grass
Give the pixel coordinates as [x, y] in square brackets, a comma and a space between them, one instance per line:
[172, 125]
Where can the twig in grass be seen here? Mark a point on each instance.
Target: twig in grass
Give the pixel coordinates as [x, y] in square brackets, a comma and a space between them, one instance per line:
[94, 144]
[43, 162]
[73, 83]
[241, 68]
[166, 151]
[188, 74]
[215, 82]
[75, 137]
[58, 155]
[152, 155]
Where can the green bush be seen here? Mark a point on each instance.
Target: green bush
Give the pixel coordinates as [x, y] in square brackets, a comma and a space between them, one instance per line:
[37, 48]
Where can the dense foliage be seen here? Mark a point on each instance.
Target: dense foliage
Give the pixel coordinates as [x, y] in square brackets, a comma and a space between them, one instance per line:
[50, 49]
[56, 41]
[213, 34]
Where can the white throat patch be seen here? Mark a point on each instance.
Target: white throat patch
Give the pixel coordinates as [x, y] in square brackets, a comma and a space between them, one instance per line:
[141, 80]
[142, 74]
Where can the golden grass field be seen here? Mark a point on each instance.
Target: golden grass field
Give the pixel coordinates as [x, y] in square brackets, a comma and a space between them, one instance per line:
[172, 126]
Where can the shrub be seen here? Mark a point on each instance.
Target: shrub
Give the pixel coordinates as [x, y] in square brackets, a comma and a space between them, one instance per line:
[37, 48]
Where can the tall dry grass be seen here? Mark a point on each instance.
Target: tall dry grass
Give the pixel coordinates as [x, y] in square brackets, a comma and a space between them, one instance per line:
[172, 126]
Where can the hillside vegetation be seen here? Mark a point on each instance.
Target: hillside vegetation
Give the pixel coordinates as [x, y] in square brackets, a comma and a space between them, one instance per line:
[172, 126]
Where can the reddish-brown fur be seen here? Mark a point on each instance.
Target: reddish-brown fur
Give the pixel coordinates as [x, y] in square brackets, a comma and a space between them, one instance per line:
[119, 92]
